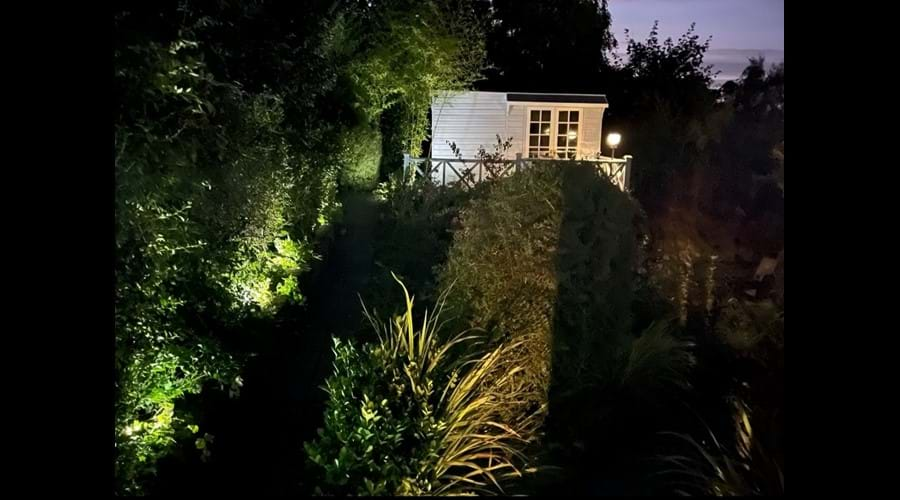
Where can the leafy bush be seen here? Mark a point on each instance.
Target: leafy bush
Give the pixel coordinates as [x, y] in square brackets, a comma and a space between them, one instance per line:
[268, 279]
[657, 361]
[151, 381]
[549, 251]
[667, 113]
[215, 212]
[227, 172]
[682, 272]
[546, 258]
[417, 413]
[743, 324]
[405, 52]
[415, 231]
[360, 157]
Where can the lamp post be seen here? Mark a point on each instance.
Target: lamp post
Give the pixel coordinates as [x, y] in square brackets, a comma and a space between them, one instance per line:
[613, 140]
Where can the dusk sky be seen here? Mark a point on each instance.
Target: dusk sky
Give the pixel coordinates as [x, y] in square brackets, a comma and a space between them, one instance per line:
[739, 28]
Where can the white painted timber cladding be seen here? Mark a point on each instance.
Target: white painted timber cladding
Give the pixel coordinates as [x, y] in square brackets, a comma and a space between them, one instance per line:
[474, 119]
[469, 119]
[518, 122]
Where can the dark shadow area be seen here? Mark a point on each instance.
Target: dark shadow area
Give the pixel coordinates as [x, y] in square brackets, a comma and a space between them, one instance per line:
[414, 234]
[259, 436]
[602, 431]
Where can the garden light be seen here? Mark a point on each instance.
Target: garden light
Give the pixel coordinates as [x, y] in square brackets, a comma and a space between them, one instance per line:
[613, 140]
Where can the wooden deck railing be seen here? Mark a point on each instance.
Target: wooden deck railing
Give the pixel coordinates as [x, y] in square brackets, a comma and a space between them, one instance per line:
[467, 172]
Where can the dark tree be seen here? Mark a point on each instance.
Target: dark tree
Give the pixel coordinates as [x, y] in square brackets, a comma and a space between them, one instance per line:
[662, 103]
[749, 159]
[536, 45]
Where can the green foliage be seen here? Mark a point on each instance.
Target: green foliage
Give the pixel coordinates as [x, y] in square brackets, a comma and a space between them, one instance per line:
[360, 157]
[415, 234]
[683, 275]
[267, 279]
[746, 150]
[666, 111]
[227, 170]
[546, 258]
[658, 361]
[669, 63]
[549, 251]
[151, 381]
[416, 413]
[216, 209]
[406, 51]
[744, 324]
[717, 469]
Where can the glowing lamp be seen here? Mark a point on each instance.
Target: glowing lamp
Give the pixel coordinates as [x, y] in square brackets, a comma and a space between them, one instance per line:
[613, 140]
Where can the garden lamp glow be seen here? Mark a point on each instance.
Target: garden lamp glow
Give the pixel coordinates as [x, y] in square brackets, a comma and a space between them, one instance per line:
[613, 140]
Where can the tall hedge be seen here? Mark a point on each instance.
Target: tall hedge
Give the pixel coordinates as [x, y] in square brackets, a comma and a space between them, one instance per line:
[548, 254]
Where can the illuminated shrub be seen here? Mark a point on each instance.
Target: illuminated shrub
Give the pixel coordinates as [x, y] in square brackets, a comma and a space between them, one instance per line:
[549, 253]
[152, 378]
[417, 413]
[546, 259]
[215, 213]
[267, 279]
[360, 157]
[228, 158]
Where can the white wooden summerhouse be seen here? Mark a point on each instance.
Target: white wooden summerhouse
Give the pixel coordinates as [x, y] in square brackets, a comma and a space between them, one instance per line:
[539, 126]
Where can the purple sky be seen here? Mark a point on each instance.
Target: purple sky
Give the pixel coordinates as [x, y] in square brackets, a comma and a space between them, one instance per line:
[733, 24]
[739, 28]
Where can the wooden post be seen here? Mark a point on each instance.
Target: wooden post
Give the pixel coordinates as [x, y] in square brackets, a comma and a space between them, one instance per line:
[518, 161]
[627, 175]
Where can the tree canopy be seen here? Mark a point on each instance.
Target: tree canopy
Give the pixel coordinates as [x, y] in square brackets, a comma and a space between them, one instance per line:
[527, 52]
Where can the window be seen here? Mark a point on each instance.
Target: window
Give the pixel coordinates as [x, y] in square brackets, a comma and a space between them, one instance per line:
[567, 135]
[553, 133]
[539, 127]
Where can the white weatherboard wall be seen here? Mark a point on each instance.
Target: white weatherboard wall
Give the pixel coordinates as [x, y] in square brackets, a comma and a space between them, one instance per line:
[474, 119]
[470, 119]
